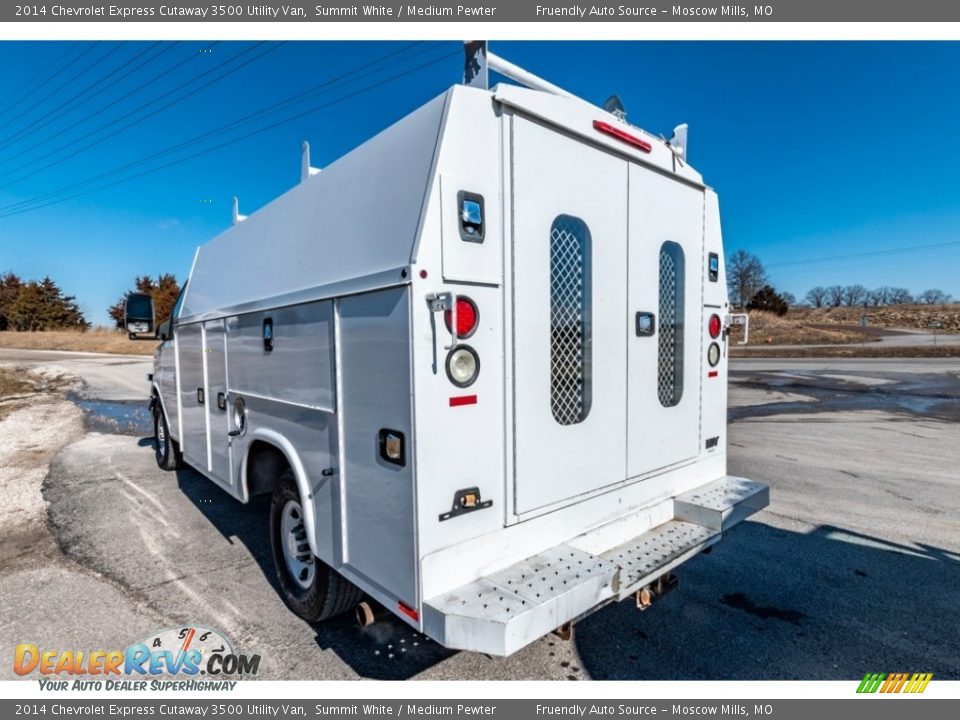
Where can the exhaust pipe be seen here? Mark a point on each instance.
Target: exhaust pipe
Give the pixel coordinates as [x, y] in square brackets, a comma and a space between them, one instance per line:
[657, 589]
[364, 614]
[368, 612]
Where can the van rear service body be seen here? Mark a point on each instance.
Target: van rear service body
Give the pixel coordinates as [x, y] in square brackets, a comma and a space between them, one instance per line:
[481, 363]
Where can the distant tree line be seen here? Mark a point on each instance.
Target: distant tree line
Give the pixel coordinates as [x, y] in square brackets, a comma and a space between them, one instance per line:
[34, 305]
[749, 288]
[858, 295]
[164, 291]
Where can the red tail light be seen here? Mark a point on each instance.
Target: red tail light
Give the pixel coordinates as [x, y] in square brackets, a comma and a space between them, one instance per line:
[715, 326]
[467, 317]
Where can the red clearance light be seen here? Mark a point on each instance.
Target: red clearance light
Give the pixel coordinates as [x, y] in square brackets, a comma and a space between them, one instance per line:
[467, 317]
[408, 611]
[712, 373]
[622, 136]
[715, 326]
[459, 400]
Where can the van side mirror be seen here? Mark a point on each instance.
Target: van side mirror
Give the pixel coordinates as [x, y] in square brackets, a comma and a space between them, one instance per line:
[139, 317]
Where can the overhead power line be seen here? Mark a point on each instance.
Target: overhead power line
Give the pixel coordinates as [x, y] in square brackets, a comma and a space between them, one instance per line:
[245, 136]
[73, 150]
[887, 251]
[84, 96]
[39, 78]
[65, 83]
[100, 110]
[349, 76]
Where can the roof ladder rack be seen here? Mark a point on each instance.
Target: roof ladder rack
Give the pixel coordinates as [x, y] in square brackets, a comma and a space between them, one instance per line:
[478, 61]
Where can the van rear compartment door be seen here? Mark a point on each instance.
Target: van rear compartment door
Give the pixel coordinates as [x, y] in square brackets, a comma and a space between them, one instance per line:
[665, 305]
[569, 299]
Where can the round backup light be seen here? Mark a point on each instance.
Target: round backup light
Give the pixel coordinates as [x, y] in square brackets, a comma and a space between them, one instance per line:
[467, 317]
[463, 365]
[713, 354]
[715, 326]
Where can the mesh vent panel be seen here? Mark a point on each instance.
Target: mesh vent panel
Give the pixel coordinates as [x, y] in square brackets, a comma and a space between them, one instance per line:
[670, 347]
[569, 320]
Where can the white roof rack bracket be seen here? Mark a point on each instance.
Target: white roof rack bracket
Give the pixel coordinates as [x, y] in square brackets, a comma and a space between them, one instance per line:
[306, 170]
[237, 217]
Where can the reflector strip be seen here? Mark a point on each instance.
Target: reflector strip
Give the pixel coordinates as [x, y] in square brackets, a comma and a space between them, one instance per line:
[712, 373]
[622, 136]
[408, 611]
[463, 400]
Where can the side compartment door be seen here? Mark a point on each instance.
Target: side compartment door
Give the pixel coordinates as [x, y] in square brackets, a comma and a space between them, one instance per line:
[374, 367]
[217, 416]
[569, 294]
[193, 434]
[664, 314]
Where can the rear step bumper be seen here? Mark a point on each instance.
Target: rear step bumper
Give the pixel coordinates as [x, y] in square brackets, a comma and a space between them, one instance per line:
[502, 612]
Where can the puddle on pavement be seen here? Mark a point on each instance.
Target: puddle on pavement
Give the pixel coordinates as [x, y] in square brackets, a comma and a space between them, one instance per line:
[936, 397]
[118, 417]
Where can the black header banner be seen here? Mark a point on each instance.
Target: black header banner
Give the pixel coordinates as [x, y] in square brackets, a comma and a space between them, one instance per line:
[489, 709]
[493, 10]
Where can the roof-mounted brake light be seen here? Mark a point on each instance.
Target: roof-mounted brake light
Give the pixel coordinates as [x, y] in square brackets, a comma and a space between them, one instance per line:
[622, 135]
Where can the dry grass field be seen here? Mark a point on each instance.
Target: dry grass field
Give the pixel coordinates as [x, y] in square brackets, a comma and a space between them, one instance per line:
[98, 340]
[909, 317]
[769, 329]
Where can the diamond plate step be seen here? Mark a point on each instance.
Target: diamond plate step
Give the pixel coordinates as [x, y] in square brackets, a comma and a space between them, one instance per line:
[508, 609]
[659, 550]
[722, 503]
[504, 611]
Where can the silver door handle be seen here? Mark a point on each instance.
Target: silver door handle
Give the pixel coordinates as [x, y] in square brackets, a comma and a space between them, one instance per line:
[441, 302]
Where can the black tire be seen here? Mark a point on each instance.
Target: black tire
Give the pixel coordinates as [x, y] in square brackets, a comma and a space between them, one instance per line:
[165, 449]
[329, 594]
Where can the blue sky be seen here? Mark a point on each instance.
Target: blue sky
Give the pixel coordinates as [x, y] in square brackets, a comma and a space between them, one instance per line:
[817, 150]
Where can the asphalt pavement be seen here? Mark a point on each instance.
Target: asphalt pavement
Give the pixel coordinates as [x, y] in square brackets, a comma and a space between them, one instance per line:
[854, 567]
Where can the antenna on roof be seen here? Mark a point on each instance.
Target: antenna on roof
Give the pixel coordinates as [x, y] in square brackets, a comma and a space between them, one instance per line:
[678, 143]
[237, 217]
[306, 170]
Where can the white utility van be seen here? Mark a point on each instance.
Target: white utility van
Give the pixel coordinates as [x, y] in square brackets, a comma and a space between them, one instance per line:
[480, 362]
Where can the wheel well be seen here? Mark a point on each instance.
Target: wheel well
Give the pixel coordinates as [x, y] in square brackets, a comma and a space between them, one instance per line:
[265, 462]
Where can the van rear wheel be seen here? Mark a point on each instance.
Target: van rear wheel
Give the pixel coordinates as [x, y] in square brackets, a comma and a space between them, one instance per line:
[309, 587]
[165, 448]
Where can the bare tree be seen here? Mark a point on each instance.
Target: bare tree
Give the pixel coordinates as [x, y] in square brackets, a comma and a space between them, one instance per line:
[745, 277]
[817, 296]
[789, 298]
[854, 295]
[835, 295]
[882, 295]
[933, 297]
[900, 296]
[874, 298]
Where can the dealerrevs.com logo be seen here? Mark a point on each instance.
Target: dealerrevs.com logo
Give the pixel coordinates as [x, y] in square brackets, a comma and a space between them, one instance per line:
[154, 663]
